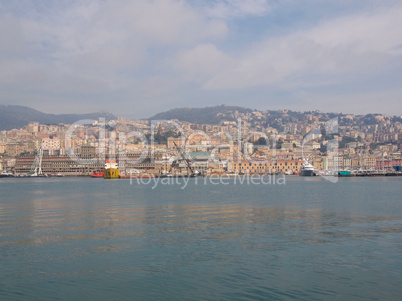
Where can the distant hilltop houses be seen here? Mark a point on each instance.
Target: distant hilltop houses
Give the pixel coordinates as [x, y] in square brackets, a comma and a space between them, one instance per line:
[235, 140]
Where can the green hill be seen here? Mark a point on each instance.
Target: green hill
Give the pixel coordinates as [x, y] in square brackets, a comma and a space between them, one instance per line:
[211, 115]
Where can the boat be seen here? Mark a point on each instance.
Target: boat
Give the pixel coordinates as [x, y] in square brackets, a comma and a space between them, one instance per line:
[97, 174]
[344, 173]
[136, 176]
[307, 170]
[55, 175]
[289, 172]
[165, 175]
[6, 174]
[111, 170]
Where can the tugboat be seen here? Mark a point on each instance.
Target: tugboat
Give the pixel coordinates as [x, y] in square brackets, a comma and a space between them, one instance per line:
[111, 170]
[307, 170]
[97, 174]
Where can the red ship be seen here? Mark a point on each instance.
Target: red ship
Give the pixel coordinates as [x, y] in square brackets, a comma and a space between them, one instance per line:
[97, 175]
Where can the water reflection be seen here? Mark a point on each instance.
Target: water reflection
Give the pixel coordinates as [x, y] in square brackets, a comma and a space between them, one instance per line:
[108, 242]
[48, 222]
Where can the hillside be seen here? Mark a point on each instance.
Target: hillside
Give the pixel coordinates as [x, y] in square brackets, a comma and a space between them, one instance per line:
[13, 116]
[211, 115]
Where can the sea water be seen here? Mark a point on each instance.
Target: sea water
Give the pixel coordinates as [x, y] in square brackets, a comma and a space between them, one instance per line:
[304, 239]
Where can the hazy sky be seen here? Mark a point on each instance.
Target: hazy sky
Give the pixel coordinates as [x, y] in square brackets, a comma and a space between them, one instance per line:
[140, 57]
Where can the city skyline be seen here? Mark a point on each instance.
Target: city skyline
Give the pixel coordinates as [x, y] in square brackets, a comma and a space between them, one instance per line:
[119, 56]
[255, 142]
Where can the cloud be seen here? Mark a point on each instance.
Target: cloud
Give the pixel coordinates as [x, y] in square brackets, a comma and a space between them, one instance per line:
[356, 44]
[238, 8]
[360, 102]
[378, 31]
[107, 42]
[201, 62]
[166, 51]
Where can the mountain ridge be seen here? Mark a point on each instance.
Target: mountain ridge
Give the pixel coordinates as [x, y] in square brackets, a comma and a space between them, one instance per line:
[272, 118]
[16, 116]
[211, 115]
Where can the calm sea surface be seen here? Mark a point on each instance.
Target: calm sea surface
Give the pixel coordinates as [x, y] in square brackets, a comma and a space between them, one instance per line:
[95, 239]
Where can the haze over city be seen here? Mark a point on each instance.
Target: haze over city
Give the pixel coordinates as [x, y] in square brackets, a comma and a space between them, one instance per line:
[137, 58]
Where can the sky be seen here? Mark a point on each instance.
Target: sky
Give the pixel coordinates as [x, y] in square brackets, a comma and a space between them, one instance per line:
[136, 58]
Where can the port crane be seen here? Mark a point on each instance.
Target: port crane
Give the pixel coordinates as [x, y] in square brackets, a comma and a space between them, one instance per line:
[193, 174]
[36, 168]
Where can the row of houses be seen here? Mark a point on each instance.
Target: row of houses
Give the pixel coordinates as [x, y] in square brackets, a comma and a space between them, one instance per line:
[355, 163]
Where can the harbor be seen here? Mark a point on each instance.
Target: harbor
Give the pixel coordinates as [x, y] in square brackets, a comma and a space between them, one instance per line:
[176, 165]
[228, 150]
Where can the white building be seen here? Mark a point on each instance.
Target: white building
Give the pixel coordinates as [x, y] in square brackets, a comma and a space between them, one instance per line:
[51, 144]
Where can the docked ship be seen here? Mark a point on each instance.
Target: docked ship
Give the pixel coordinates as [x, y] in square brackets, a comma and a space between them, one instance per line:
[111, 170]
[307, 170]
[345, 173]
[6, 174]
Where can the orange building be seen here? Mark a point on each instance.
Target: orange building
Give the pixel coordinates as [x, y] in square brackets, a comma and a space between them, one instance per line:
[267, 166]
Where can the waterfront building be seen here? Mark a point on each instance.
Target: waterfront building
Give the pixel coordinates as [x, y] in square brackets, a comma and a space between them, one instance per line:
[317, 163]
[266, 166]
[388, 164]
[58, 165]
[369, 162]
